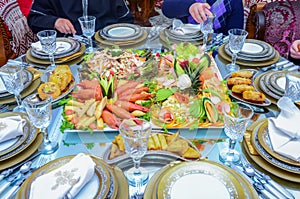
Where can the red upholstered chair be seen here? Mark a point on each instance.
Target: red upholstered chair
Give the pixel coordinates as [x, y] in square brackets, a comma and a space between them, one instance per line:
[278, 23]
[16, 36]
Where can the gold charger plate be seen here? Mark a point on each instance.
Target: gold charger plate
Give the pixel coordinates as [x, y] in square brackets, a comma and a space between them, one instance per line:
[257, 87]
[264, 140]
[68, 59]
[171, 182]
[123, 187]
[23, 155]
[222, 54]
[30, 89]
[262, 164]
[20, 139]
[101, 172]
[125, 43]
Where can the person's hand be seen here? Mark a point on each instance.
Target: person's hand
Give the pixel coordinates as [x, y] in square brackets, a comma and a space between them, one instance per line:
[295, 49]
[64, 26]
[199, 11]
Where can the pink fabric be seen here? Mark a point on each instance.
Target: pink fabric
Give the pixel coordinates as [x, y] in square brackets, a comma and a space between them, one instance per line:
[282, 25]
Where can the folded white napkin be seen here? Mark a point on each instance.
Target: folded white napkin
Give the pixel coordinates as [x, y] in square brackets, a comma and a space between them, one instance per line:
[66, 181]
[11, 127]
[284, 131]
[187, 29]
[37, 46]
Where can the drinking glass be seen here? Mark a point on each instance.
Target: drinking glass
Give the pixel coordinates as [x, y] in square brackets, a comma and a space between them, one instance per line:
[292, 86]
[206, 28]
[235, 121]
[40, 114]
[87, 24]
[48, 42]
[135, 133]
[236, 42]
[13, 79]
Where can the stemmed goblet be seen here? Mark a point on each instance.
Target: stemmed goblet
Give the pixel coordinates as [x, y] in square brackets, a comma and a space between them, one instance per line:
[235, 120]
[13, 79]
[206, 28]
[48, 42]
[135, 133]
[87, 24]
[40, 114]
[236, 42]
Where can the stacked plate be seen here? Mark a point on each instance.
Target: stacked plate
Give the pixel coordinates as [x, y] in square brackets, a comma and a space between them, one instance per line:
[67, 49]
[272, 84]
[255, 53]
[18, 149]
[121, 34]
[31, 83]
[194, 35]
[107, 182]
[192, 179]
[268, 159]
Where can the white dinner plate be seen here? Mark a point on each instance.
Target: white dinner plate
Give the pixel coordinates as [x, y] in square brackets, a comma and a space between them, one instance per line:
[252, 48]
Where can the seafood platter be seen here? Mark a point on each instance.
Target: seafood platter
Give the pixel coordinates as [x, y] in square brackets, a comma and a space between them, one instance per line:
[182, 88]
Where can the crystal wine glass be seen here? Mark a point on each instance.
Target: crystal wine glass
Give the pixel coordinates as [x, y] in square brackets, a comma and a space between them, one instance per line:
[13, 79]
[135, 133]
[236, 42]
[48, 42]
[206, 28]
[87, 24]
[235, 120]
[40, 114]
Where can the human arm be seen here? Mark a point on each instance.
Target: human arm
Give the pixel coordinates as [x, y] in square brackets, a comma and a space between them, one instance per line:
[295, 49]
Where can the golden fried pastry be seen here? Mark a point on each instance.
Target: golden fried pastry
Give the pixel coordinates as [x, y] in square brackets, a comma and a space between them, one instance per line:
[191, 153]
[238, 80]
[254, 96]
[64, 69]
[240, 88]
[60, 79]
[242, 73]
[48, 88]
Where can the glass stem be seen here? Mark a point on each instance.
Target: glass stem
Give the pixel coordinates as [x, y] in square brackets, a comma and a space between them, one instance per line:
[136, 164]
[231, 145]
[51, 57]
[204, 41]
[45, 133]
[90, 42]
[234, 55]
[18, 99]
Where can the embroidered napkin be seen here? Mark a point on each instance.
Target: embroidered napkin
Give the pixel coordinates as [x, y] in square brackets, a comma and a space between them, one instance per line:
[66, 181]
[187, 29]
[37, 46]
[11, 127]
[284, 131]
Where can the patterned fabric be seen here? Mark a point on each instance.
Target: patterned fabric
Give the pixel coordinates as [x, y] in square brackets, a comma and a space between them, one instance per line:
[220, 8]
[282, 25]
[16, 22]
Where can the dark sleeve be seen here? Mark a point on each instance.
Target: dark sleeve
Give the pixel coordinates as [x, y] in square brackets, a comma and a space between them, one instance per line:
[235, 19]
[42, 15]
[176, 8]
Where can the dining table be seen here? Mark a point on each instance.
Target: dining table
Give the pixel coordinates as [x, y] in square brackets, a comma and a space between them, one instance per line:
[212, 140]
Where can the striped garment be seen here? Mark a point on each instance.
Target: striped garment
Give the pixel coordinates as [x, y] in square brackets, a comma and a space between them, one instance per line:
[221, 9]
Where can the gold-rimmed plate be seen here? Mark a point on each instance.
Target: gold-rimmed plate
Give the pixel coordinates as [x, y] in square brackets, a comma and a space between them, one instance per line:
[267, 157]
[123, 187]
[264, 140]
[98, 187]
[30, 89]
[10, 145]
[257, 87]
[265, 89]
[64, 59]
[121, 32]
[226, 57]
[268, 84]
[191, 179]
[22, 155]
[278, 80]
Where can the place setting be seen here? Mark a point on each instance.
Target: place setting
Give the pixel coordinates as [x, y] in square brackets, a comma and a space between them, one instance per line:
[252, 53]
[272, 142]
[121, 34]
[54, 50]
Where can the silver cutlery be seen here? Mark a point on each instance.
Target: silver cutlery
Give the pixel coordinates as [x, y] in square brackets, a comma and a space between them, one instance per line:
[260, 189]
[276, 65]
[251, 171]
